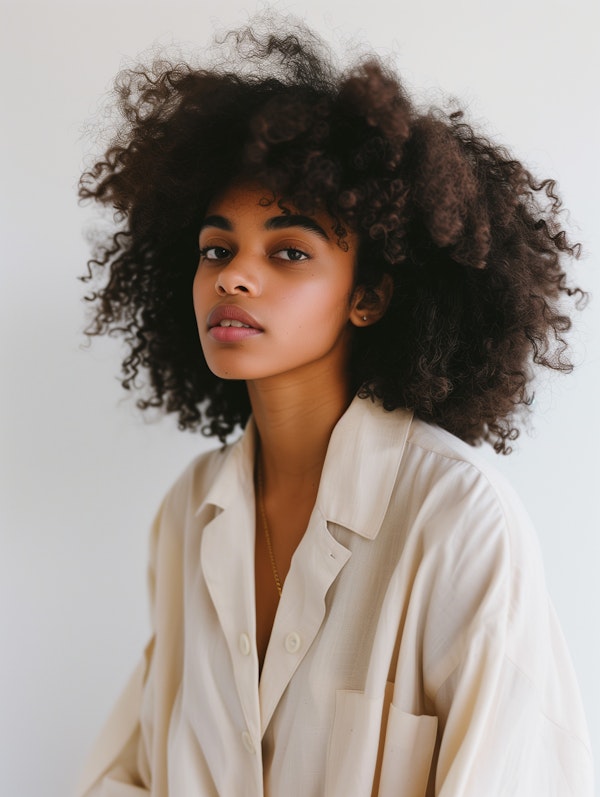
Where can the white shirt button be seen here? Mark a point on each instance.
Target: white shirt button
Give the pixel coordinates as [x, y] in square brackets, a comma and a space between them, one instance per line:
[244, 644]
[292, 642]
[247, 741]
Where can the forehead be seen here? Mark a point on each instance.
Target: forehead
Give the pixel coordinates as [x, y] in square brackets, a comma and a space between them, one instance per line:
[241, 197]
[255, 203]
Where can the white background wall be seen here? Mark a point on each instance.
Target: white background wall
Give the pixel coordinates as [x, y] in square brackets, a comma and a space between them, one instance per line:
[82, 472]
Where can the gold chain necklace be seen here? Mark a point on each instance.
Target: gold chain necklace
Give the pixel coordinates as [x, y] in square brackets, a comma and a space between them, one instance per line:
[263, 517]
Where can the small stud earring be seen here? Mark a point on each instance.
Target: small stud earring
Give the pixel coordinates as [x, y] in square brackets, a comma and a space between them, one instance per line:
[364, 318]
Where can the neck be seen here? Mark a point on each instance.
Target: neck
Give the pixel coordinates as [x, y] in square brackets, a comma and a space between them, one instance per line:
[294, 421]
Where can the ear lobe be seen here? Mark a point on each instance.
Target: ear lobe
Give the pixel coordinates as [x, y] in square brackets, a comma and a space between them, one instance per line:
[369, 304]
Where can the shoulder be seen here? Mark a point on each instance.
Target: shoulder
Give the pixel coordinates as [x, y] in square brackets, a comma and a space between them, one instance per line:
[446, 453]
[387, 467]
[455, 472]
[194, 483]
[458, 510]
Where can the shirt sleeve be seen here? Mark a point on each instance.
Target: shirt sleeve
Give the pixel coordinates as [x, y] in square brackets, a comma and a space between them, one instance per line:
[499, 676]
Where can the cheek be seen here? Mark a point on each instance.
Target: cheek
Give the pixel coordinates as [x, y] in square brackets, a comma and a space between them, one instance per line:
[331, 308]
[326, 299]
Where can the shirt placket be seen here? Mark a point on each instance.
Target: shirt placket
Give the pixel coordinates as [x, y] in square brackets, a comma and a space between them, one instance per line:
[315, 565]
[228, 546]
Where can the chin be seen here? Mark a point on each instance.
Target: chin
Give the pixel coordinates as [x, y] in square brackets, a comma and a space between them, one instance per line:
[231, 372]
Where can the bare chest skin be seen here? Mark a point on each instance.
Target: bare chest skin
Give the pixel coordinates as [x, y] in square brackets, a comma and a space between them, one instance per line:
[287, 521]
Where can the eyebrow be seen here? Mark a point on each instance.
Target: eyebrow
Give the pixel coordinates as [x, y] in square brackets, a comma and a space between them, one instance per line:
[220, 222]
[284, 222]
[275, 223]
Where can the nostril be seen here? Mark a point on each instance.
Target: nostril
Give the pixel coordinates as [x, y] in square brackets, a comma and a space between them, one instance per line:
[224, 288]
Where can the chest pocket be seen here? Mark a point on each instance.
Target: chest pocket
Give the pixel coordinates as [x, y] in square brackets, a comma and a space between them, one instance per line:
[407, 753]
[376, 750]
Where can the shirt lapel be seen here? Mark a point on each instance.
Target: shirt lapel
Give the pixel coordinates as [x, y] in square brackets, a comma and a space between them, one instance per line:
[227, 557]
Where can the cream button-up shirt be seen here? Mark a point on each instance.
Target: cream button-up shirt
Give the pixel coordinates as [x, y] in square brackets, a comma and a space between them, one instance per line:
[414, 651]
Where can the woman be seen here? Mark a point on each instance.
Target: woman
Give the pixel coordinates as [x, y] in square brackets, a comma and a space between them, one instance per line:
[346, 601]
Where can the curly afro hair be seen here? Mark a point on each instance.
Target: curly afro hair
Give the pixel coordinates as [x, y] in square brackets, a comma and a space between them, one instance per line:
[471, 239]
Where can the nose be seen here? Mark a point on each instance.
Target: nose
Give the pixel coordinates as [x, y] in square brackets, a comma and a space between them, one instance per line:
[237, 276]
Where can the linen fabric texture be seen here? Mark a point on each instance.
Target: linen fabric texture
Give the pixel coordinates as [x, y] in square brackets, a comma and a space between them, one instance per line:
[414, 652]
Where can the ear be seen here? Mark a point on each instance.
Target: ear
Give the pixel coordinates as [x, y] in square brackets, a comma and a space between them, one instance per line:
[369, 304]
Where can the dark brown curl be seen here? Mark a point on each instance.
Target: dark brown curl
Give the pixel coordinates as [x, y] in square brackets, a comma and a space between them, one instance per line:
[472, 241]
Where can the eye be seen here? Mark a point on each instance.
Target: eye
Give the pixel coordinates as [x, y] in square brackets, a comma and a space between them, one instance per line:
[292, 254]
[214, 253]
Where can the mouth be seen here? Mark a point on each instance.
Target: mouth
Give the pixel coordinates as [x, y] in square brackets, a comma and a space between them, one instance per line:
[232, 322]
[228, 323]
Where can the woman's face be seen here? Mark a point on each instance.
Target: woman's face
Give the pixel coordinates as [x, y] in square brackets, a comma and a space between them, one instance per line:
[273, 293]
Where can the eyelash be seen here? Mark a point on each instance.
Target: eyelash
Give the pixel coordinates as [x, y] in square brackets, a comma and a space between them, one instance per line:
[204, 253]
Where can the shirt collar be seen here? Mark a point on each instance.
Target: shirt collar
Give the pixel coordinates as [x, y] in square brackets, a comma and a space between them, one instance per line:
[359, 473]
[361, 466]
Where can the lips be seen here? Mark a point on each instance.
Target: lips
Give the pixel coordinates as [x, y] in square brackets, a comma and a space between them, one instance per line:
[228, 323]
